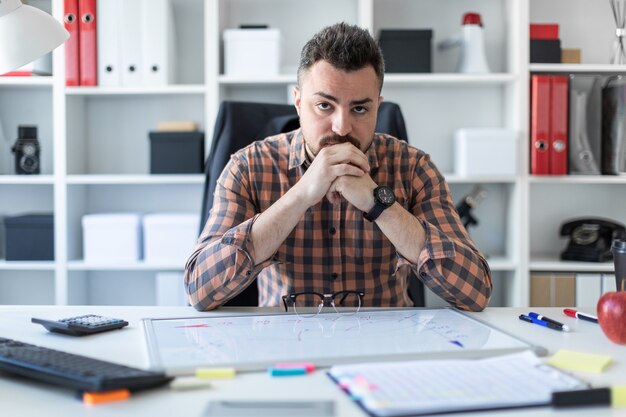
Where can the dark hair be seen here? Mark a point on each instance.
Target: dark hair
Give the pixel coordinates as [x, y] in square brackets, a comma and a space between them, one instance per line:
[345, 47]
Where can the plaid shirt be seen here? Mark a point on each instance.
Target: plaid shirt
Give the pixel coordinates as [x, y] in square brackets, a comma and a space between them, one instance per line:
[333, 247]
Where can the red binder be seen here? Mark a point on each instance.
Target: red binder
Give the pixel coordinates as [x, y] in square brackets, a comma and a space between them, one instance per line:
[87, 42]
[540, 125]
[70, 21]
[559, 124]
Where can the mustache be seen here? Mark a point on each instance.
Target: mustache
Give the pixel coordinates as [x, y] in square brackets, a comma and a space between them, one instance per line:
[336, 139]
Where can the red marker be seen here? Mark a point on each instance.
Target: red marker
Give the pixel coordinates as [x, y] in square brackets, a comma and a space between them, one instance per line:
[578, 315]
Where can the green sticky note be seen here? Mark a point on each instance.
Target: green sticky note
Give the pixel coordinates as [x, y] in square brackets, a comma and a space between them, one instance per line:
[580, 361]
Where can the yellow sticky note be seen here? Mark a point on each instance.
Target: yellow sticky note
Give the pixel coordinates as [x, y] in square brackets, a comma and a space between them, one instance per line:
[618, 396]
[215, 372]
[580, 361]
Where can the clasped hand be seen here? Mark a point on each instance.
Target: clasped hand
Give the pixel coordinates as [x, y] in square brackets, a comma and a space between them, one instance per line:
[338, 171]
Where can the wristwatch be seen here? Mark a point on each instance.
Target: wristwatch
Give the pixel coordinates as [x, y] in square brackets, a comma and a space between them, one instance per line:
[384, 198]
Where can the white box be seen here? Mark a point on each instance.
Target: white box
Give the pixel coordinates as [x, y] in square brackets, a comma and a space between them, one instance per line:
[485, 151]
[169, 237]
[112, 237]
[252, 52]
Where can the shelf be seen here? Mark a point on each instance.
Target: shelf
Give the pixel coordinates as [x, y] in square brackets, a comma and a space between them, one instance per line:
[578, 179]
[26, 179]
[124, 266]
[136, 90]
[26, 265]
[577, 68]
[551, 263]
[26, 81]
[156, 179]
[487, 179]
[501, 263]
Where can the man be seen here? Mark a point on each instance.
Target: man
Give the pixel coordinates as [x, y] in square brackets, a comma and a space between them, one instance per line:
[334, 206]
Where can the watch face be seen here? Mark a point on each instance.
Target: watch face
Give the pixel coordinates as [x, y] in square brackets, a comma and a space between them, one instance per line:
[385, 195]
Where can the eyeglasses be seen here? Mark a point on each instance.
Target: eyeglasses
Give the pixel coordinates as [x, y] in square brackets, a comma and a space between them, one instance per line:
[343, 302]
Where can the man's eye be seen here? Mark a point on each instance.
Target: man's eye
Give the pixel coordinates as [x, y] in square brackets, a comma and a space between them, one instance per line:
[360, 110]
[323, 106]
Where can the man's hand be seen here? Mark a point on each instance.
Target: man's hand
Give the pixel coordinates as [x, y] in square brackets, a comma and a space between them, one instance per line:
[332, 162]
[358, 191]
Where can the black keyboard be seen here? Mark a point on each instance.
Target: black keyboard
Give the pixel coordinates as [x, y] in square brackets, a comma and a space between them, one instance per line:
[73, 371]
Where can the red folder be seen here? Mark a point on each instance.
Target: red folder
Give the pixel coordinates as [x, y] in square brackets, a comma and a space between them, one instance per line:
[559, 124]
[540, 125]
[87, 42]
[70, 21]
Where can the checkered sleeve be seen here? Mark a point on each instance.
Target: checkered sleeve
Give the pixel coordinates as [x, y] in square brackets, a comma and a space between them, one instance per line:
[449, 264]
[222, 263]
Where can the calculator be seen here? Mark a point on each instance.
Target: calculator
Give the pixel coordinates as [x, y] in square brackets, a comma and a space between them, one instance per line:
[81, 325]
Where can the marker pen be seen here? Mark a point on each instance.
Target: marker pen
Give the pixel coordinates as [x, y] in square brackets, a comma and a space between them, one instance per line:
[614, 396]
[549, 320]
[543, 323]
[576, 314]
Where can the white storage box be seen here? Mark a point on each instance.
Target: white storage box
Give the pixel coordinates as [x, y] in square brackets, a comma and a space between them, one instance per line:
[169, 237]
[252, 52]
[112, 237]
[485, 151]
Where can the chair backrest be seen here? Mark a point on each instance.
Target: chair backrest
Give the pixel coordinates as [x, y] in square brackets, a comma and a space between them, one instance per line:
[240, 123]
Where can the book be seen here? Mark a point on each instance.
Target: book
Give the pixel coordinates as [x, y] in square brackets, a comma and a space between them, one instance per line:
[387, 389]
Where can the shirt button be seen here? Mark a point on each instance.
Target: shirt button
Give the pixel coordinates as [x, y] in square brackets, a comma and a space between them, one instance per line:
[332, 230]
[334, 275]
[248, 272]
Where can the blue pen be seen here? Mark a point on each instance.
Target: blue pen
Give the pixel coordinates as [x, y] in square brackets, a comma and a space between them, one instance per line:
[543, 323]
[549, 320]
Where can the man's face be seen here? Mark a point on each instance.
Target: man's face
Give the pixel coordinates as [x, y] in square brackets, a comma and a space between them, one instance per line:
[336, 106]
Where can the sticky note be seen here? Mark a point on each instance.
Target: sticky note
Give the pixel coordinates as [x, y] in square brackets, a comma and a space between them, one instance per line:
[93, 398]
[307, 365]
[286, 371]
[579, 361]
[618, 396]
[215, 373]
[183, 383]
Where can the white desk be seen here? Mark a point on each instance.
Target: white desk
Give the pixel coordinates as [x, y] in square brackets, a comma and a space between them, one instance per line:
[22, 397]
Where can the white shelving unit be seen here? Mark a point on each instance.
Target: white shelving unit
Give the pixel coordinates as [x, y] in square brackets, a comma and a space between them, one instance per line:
[95, 147]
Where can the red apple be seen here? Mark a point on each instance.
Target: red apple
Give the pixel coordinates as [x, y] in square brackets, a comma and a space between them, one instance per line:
[612, 315]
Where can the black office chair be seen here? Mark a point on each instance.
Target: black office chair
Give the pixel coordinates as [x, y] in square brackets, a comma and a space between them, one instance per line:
[240, 123]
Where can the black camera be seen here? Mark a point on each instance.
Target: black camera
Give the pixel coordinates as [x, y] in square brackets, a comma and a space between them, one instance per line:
[26, 150]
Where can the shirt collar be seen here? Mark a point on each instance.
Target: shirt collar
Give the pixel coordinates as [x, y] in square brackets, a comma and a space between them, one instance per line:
[298, 157]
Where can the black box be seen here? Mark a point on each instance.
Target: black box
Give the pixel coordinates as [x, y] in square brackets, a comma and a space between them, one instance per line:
[406, 50]
[176, 152]
[29, 237]
[545, 51]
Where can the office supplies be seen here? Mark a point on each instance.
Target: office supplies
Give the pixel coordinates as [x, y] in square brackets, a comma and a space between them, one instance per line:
[559, 110]
[109, 60]
[87, 41]
[579, 361]
[70, 21]
[215, 373]
[613, 396]
[71, 370]
[260, 408]
[130, 42]
[185, 383]
[585, 123]
[306, 365]
[579, 315]
[158, 64]
[81, 325]
[613, 137]
[258, 342]
[543, 323]
[286, 371]
[544, 318]
[444, 386]
[485, 151]
[93, 398]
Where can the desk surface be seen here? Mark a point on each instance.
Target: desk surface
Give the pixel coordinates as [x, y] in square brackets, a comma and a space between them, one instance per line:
[21, 397]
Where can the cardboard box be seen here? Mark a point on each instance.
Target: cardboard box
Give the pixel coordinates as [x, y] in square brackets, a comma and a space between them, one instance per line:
[406, 50]
[485, 151]
[112, 237]
[176, 152]
[29, 237]
[170, 237]
[252, 52]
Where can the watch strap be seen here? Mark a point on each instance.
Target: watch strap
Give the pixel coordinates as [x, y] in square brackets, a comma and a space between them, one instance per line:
[375, 211]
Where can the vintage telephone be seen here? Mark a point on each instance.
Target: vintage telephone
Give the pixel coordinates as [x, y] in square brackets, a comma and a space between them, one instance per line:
[590, 239]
